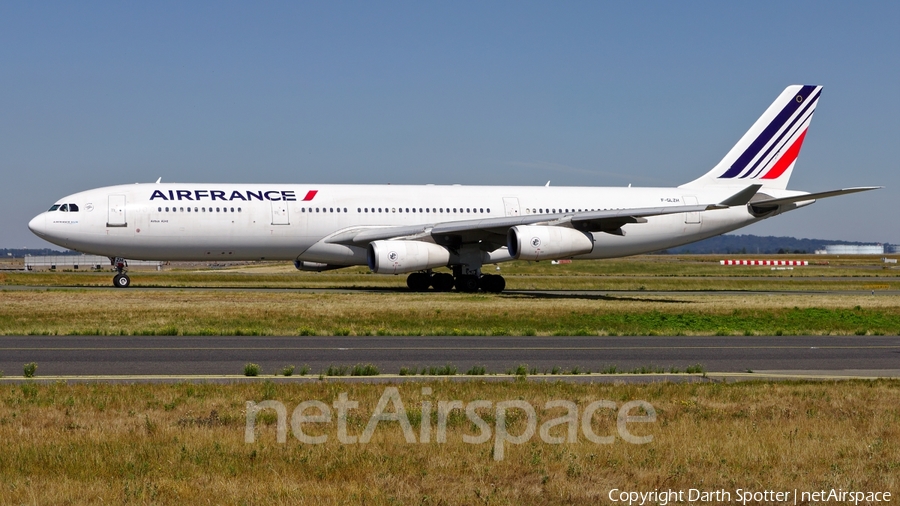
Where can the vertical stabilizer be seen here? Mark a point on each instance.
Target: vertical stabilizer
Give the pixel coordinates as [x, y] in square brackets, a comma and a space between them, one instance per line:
[767, 152]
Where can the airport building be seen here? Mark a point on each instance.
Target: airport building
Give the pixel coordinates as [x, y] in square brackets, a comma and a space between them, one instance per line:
[852, 249]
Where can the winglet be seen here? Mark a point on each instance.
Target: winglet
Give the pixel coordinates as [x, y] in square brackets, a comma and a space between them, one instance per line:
[740, 198]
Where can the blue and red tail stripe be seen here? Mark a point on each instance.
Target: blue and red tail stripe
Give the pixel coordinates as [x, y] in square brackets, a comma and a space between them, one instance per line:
[779, 131]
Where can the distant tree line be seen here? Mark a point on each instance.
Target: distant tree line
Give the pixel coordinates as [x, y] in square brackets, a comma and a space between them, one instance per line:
[723, 244]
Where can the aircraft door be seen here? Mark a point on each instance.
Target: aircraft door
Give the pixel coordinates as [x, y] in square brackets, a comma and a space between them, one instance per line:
[116, 212]
[511, 204]
[280, 214]
[691, 218]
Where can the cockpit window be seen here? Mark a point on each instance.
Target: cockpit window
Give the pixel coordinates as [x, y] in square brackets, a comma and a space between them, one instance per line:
[73, 208]
[64, 208]
[54, 208]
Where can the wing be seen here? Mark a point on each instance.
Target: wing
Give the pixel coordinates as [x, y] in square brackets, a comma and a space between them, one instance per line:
[492, 231]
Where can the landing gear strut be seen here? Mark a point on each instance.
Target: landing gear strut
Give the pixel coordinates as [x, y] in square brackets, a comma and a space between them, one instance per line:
[120, 280]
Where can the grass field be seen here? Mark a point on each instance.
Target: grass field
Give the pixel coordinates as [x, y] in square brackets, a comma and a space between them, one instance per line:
[381, 305]
[184, 444]
[117, 312]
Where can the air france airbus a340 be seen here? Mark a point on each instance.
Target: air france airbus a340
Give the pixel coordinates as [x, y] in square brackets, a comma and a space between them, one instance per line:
[415, 229]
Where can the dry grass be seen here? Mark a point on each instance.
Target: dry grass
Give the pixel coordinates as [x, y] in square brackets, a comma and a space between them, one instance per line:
[179, 444]
[390, 309]
[248, 312]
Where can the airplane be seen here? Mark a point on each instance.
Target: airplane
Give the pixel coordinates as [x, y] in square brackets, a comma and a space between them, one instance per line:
[406, 229]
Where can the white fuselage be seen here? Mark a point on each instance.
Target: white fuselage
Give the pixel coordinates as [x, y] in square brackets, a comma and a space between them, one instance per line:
[289, 222]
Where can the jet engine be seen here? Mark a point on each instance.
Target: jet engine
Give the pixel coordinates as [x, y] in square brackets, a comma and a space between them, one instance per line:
[396, 257]
[538, 242]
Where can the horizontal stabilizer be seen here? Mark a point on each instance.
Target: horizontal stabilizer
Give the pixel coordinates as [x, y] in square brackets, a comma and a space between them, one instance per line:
[813, 196]
[740, 198]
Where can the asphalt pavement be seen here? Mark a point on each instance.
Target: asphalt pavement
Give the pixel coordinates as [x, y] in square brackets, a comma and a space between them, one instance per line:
[227, 355]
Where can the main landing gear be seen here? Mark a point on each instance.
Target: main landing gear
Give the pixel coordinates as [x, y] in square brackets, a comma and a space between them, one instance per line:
[443, 282]
[120, 280]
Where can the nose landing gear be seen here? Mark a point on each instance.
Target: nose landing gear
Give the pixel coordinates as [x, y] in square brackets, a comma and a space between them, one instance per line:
[120, 280]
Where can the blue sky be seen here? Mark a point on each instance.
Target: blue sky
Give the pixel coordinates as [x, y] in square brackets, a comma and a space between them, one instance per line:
[579, 93]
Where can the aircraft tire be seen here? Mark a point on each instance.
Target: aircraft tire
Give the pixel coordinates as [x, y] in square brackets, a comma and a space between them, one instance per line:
[442, 282]
[121, 281]
[418, 281]
[492, 283]
[467, 284]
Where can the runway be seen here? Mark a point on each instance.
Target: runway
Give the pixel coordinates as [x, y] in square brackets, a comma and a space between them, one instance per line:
[226, 355]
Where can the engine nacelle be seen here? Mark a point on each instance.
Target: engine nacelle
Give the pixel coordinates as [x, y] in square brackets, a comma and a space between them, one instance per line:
[396, 257]
[538, 242]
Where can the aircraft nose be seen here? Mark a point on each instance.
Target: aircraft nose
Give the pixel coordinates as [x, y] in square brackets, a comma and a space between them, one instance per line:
[38, 225]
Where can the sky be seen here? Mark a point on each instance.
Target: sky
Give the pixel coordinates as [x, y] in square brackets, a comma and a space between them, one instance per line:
[502, 93]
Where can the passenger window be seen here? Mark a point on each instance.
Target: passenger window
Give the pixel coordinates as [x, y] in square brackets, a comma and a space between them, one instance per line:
[217, 210]
[167, 209]
[232, 209]
[239, 209]
[159, 209]
[182, 209]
